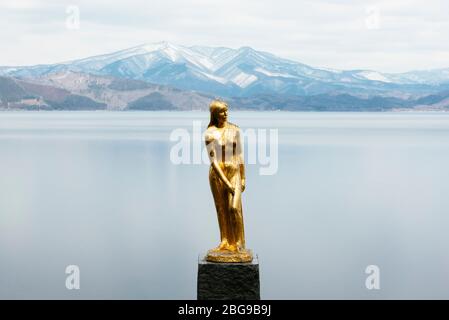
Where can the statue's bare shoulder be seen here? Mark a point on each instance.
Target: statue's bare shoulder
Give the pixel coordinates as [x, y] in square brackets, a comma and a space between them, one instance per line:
[210, 134]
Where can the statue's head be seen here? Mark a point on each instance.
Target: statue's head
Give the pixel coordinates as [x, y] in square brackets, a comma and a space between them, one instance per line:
[218, 113]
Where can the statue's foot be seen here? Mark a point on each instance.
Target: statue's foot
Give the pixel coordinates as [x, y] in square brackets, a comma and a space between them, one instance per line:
[222, 246]
[239, 246]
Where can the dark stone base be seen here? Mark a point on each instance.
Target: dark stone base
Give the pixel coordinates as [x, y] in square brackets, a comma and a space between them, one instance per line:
[228, 281]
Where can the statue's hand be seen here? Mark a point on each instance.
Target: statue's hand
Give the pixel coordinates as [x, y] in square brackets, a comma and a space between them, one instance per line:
[243, 185]
[230, 188]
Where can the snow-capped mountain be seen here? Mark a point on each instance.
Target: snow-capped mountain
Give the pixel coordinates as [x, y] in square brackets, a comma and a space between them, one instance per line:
[239, 72]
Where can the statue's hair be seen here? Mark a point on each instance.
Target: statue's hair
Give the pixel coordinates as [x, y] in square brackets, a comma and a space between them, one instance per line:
[214, 108]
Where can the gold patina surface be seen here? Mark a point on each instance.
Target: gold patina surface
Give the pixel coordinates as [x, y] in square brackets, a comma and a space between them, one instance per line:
[227, 182]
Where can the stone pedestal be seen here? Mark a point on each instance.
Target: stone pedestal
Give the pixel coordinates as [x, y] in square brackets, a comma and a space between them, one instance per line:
[228, 281]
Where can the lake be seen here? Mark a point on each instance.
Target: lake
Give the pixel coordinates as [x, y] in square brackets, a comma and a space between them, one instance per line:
[99, 190]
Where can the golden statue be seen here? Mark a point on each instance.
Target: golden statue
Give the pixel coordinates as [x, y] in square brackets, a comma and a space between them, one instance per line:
[227, 182]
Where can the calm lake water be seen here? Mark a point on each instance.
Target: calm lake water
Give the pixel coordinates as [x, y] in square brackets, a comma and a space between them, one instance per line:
[98, 190]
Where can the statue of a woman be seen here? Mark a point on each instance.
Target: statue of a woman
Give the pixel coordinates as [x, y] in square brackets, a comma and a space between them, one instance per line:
[227, 182]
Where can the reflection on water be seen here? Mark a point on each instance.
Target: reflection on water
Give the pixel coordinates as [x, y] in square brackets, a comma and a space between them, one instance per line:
[98, 190]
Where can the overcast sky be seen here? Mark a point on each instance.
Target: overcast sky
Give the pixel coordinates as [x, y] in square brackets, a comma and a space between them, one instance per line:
[389, 35]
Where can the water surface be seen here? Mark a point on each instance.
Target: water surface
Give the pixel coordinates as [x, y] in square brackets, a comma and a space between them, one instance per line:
[98, 190]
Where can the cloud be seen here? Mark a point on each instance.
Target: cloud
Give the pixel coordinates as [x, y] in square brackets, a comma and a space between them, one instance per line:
[406, 34]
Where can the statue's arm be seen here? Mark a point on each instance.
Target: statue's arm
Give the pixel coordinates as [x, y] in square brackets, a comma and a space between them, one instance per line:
[214, 162]
[239, 153]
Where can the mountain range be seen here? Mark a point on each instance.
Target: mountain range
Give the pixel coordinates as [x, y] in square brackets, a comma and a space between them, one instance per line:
[167, 76]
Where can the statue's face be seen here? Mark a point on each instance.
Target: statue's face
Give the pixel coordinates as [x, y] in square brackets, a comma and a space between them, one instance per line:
[222, 115]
